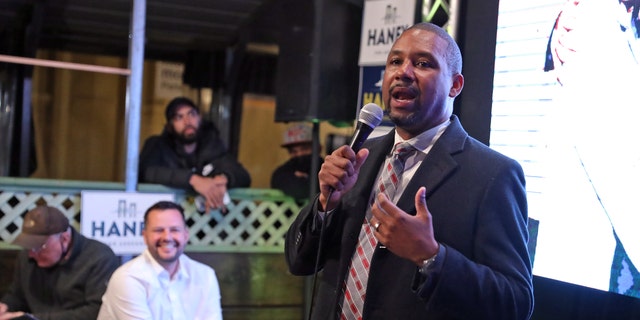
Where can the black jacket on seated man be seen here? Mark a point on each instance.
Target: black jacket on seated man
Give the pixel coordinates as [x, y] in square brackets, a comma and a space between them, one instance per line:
[163, 161]
[285, 179]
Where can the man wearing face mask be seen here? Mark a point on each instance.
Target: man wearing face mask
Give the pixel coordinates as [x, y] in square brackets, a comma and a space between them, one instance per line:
[190, 155]
[292, 177]
[61, 274]
[162, 282]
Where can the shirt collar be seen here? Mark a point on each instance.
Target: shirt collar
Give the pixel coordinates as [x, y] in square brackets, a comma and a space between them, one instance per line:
[159, 270]
[424, 141]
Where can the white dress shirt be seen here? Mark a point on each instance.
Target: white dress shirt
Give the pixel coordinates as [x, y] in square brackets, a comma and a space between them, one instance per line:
[142, 289]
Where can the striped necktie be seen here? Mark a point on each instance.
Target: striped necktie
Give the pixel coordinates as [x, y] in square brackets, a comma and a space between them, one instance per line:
[355, 286]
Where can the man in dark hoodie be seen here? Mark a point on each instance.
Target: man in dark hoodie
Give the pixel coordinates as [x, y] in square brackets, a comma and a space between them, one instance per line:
[190, 155]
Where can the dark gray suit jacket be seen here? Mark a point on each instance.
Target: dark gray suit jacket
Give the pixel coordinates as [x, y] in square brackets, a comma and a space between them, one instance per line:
[478, 201]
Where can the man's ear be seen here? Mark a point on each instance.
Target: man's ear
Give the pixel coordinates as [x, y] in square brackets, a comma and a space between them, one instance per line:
[66, 236]
[456, 85]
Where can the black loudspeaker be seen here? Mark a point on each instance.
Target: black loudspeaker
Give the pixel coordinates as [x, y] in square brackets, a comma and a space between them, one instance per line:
[318, 73]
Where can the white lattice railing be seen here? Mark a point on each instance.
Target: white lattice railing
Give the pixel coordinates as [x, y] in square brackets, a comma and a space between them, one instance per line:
[256, 221]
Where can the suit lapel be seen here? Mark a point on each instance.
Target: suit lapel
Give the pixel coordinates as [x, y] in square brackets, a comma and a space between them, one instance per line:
[437, 165]
[433, 171]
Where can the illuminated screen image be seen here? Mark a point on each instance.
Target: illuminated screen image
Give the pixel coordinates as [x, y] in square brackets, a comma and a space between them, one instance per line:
[566, 105]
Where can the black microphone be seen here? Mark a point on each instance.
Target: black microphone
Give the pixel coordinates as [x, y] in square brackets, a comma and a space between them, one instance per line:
[369, 118]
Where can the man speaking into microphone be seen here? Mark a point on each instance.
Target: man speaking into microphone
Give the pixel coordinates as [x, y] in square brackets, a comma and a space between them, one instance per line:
[424, 222]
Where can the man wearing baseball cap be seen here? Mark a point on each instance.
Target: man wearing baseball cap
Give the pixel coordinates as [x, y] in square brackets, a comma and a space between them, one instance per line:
[61, 274]
[190, 155]
[292, 177]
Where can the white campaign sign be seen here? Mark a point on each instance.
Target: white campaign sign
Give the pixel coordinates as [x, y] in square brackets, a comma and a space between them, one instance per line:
[382, 23]
[116, 218]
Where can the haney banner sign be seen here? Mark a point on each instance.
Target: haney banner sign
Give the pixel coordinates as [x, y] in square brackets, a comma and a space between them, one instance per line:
[116, 218]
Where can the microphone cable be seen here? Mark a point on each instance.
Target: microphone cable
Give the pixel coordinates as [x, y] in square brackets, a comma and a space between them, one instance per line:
[316, 268]
[369, 117]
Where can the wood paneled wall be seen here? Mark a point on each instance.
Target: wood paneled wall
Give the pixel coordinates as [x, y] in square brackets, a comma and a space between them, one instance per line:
[79, 122]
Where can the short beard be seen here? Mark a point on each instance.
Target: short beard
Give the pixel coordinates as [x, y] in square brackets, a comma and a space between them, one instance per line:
[171, 259]
[404, 122]
[188, 139]
[182, 139]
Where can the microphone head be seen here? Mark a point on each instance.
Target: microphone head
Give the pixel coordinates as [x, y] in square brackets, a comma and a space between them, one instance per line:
[371, 115]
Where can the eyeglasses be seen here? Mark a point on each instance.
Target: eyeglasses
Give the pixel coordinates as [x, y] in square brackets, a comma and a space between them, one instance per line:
[44, 245]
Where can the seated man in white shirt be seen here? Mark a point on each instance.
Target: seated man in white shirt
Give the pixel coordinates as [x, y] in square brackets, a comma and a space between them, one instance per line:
[163, 283]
